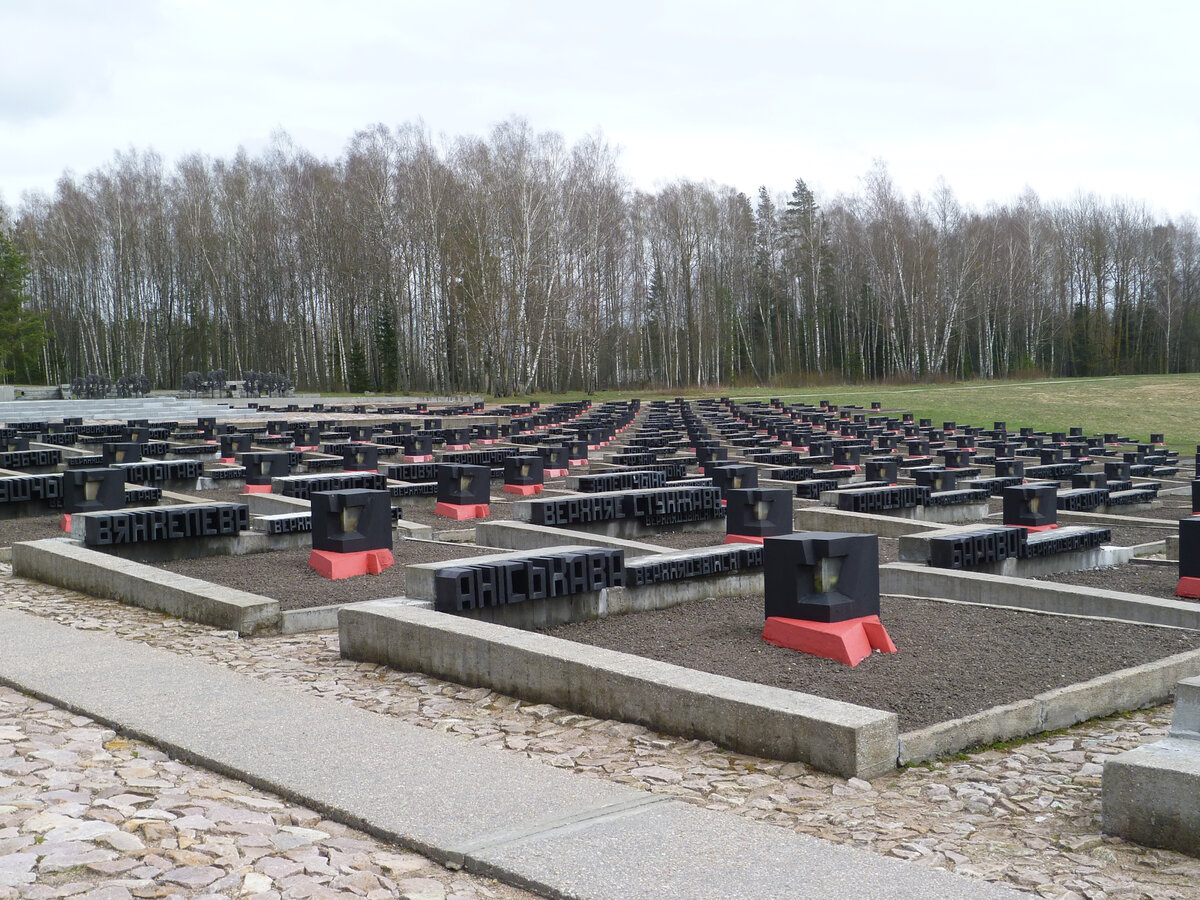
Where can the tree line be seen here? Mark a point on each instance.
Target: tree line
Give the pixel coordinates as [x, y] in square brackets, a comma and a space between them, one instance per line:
[513, 262]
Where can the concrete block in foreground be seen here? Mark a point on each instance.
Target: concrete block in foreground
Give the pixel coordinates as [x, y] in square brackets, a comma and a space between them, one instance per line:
[765, 721]
[1151, 795]
[69, 565]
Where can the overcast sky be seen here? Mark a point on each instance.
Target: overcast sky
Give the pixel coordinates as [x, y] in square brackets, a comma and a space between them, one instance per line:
[1056, 95]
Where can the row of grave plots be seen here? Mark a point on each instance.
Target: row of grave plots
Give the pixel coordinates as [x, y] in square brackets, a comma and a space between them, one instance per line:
[640, 527]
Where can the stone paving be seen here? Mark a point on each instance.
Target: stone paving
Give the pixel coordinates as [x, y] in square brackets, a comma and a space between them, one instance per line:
[85, 813]
[1027, 815]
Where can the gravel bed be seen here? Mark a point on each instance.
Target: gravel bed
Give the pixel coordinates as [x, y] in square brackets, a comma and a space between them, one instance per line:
[284, 575]
[684, 540]
[223, 494]
[1171, 511]
[943, 670]
[1150, 581]
[30, 528]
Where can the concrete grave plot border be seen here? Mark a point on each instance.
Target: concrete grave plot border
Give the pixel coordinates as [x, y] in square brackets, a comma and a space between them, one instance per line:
[117, 576]
[838, 737]
[69, 565]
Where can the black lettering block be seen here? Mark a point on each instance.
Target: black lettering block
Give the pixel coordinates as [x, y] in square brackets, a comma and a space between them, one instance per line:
[1090, 480]
[417, 444]
[524, 470]
[1189, 547]
[488, 432]
[821, 576]
[727, 476]
[554, 456]
[91, 490]
[886, 469]
[1031, 505]
[1010, 468]
[350, 521]
[935, 478]
[705, 455]
[918, 447]
[844, 455]
[463, 485]
[455, 588]
[752, 512]
[360, 457]
[955, 458]
[361, 433]
[121, 452]
[1117, 471]
[234, 444]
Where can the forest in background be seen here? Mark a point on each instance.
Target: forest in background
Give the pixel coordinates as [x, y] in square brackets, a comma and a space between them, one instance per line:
[514, 263]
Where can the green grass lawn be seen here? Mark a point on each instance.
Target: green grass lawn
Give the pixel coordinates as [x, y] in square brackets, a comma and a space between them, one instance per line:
[1133, 406]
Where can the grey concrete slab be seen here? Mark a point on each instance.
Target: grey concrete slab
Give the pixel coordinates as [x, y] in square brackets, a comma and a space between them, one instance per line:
[996, 590]
[673, 850]
[412, 784]
[508, 535]
[753, 718]
[524, 821]
[66, 564]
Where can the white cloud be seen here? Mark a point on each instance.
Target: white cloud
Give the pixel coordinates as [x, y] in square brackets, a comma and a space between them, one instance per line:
[1063, 96]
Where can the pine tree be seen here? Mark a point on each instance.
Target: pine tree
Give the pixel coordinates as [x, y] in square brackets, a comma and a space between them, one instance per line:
[387, 352]
[22, 333]
[356, 365]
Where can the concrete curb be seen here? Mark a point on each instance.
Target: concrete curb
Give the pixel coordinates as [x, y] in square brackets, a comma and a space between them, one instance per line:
[493, 812]
[69, 565]
[836, 737]
[508, 535]
[995, 590]
[825, 518]
[1133, 688]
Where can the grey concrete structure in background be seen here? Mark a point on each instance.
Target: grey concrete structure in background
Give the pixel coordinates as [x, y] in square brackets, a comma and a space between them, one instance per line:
[824, 518]
[508, 535]
[914, 548]
[67, 564]
[951, 514]
[779, 724]
[993, 590]
[1151, 795]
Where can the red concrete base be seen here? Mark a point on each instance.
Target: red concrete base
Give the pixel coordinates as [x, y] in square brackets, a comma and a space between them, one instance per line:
[1033, 528]
[65, 522]
[577, 462]
[256, 489]
[487, 441]
[848, 468]
[1188, 587]
[742, 539]
[459, 512]
[522, 490]
[424, 457]
[304, 449]
[335, 566]
[848, 642]
[458, 446]
[228, 460]
[555, 473]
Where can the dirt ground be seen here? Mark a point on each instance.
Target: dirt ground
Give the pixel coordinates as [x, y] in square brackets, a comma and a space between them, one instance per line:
[1131, 578]
[944, 667]
[284, 575]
